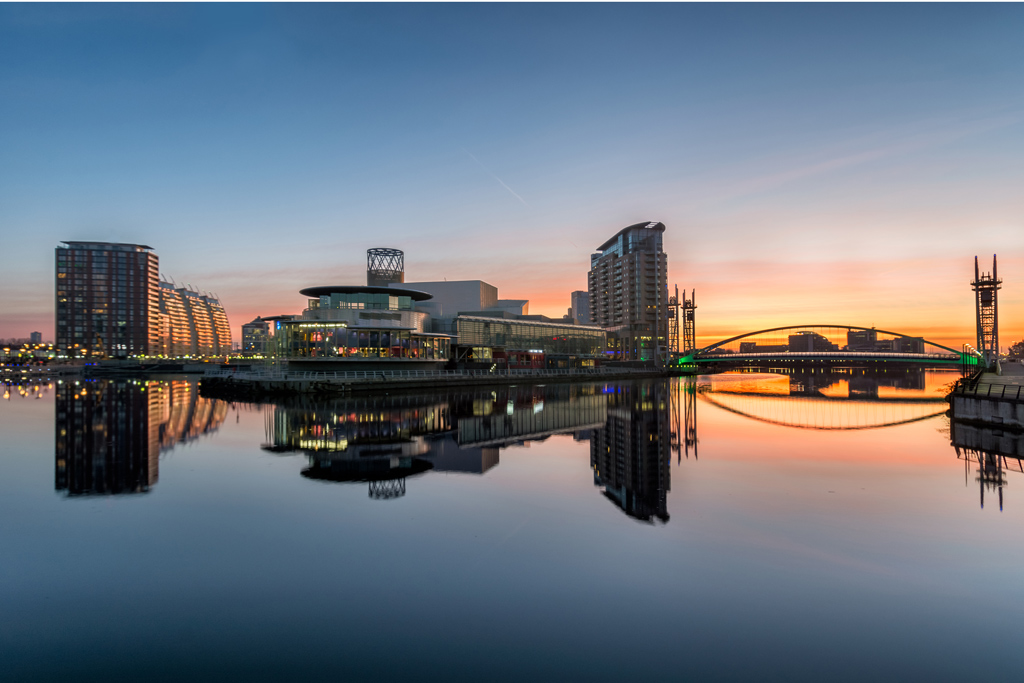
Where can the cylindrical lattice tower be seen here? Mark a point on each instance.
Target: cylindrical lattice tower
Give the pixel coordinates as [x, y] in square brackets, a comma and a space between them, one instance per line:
[384, 266]
[986, 287]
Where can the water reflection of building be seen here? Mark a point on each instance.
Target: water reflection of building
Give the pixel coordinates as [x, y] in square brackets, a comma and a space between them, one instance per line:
[509, 415]
[376, 439]
[107, 441]
[184, 415]
[862, 382]
[630, 456]
[371, 439]
[109, 434]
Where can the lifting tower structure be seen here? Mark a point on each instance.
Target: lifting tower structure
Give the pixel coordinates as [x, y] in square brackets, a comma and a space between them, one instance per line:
[986, 287]
[673, 323]
[689, 322]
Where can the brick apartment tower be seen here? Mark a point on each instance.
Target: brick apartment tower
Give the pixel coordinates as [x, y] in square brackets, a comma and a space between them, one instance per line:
[107, 300]
[629, 292]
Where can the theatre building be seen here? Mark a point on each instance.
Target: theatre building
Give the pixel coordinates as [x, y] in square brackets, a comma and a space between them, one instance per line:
[348, 326]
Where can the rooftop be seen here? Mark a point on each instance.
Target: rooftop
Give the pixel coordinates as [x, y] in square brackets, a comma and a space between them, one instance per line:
[651, 225]
[327, 290]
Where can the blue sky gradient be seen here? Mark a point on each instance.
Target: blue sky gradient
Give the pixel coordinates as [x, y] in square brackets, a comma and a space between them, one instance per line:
[836, 162]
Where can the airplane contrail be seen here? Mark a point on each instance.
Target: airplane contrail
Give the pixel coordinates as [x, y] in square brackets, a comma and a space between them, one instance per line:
[494, 176]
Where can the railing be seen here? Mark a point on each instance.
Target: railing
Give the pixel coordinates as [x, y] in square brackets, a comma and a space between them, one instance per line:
[1006, 392]
[390, 375]
[774, 355]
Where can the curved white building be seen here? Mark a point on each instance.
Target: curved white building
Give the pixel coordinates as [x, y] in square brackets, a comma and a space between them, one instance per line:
[192, 324]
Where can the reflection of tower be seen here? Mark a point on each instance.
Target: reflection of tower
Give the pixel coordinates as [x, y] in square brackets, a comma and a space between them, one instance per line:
[630, 456]
[106, 438]
[384, 266]
[374, 440]
[990, 471]
[690, 398]
[684, 418]
[986, 287]
[689, 322]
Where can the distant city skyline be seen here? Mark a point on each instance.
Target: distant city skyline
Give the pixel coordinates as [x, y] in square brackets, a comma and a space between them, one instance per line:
[811, 163]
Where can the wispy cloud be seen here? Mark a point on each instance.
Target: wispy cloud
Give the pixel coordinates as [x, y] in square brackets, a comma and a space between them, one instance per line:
[488, 172]
[897, 141]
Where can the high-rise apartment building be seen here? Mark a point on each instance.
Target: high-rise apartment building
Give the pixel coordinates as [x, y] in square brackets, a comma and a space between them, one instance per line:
[107, 300]
[192, 324]
[580, 311]
[629, 292]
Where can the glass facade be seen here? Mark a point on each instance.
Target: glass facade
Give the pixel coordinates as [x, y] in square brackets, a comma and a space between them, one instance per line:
[324, 339]
[528, 335]
[362, 300]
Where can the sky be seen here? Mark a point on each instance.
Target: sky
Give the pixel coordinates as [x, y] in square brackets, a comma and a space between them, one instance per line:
[837, 164]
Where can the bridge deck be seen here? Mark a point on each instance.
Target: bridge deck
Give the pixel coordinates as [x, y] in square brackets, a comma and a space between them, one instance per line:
[829, 355]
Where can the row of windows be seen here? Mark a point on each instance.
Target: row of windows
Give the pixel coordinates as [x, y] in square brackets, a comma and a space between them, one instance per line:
[518, 335]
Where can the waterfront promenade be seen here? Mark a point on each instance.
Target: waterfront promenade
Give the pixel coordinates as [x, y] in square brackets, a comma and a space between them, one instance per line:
[268, 382]
[992, 399]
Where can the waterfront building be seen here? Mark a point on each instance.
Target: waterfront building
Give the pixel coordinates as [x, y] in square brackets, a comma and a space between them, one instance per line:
[107, 302]
[449, 298]
[192, 324]
[527, 341]
[353, 322]
[254, 336]
[580, 308]
[628, 291]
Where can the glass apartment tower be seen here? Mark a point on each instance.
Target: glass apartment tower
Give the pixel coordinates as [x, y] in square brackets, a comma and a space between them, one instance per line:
[107, 300]
[629, 292]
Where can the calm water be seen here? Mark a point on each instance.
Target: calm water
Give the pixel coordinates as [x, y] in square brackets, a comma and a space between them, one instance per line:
[813, 527]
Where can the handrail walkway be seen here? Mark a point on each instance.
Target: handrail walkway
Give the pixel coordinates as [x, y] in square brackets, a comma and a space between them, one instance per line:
[781, 355]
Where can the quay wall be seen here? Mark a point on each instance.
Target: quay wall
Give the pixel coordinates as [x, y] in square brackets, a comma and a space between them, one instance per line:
[244, 386]
[991, 400]
[987, 439]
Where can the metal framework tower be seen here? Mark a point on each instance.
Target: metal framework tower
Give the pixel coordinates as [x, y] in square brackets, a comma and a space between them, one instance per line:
[384, 266]
[673, 323]
[689, 322]
[986, 287]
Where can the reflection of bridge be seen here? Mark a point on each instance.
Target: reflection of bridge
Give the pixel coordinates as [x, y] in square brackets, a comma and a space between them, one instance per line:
[827, 414]
[821, 399]
[802, 344]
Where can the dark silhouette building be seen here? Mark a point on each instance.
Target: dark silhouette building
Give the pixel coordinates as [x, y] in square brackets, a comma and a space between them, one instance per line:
[810, 341]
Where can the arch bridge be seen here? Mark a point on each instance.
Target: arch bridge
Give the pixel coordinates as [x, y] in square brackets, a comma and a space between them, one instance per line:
[802, 344]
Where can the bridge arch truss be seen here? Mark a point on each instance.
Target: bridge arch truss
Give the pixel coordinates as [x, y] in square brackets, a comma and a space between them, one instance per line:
[821, 342]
